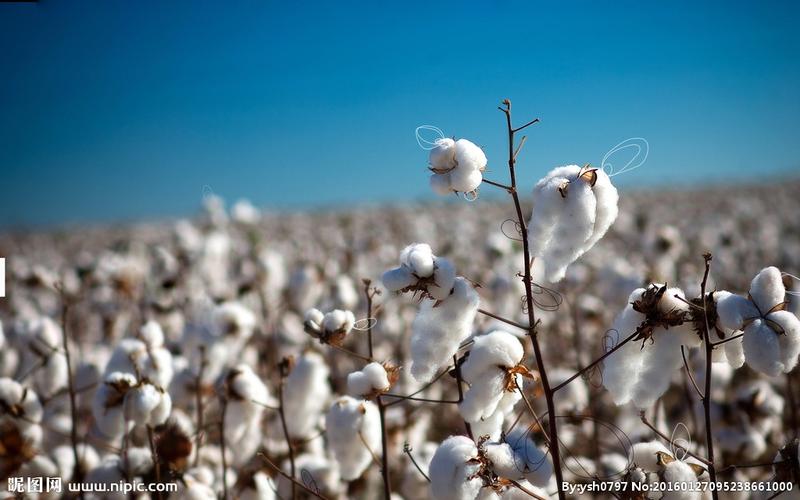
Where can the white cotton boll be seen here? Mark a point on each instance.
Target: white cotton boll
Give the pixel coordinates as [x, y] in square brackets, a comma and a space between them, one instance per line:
[307, 393]
[469, 156]
[527, 460]
[419, 258]
[107, 405]
[318, 470]
[490, 350]
[452, 469]
[440, 183]
[397, 279]
[465, 181]
[682, 477]
[569, 216]
[14, 395]
[246, 396]
[353, 430]
[645, 455]
[514, 493]
[734, 353]
[444, 277]
[442, 156]
[338, 321]
[768, 351]
[245, 212]
[733, 310]
[641, 371]
[438, 331]
[491, 426]
[142, 402]
[314, 317]
[767, 289]
[485, 370]
[369, 380]
[152, 334]
[483, 396]
[233, 318]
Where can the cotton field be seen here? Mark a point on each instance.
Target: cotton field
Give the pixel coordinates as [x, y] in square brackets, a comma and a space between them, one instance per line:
[567, 339]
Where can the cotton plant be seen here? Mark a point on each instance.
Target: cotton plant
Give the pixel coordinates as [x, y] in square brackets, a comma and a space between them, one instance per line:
[331, 327]
[494, 373]
[307, 394]
[517, 457]
[454, 470]
[372, 380]
[573, 208]
[353, 430]
[771, 335]
[245, 398]
[439, 329]
[641, 370]
[420, 271]
[40, 340]
[21, 432]
[457, 166]
[145, 355]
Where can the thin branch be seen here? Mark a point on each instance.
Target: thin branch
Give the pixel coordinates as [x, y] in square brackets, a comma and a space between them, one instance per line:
[595, 362]
[154, 453]
[461, 393]
[77, 474]
[535, 120]
[199, 403]
[496, 184]
[224, 406]
[407, 450]
[504, 320]
[689, 373]
[412, 398]
[284, 368]
[715, 344]
[707, 392]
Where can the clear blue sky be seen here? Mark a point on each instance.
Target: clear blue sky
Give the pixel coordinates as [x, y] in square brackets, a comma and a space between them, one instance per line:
[120, 110]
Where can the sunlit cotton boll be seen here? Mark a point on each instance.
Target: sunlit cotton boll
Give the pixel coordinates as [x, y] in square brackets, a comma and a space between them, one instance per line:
[247, 396]
[421, 270]
[438, 331]
[771, 339]
[307, 393]
[146, 404]
[371, 379]
[518, 457]
[641, 370]
[353, 430]
[107, 405]
[487, 371]
[452, 469]
[573, 207]
[21, 408]
[457, 166]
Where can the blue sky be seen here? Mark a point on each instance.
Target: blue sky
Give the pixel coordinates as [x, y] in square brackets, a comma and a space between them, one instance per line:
[121, 110]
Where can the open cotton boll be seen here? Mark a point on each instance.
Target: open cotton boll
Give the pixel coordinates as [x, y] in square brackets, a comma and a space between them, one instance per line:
[681, 477]
[444, 276]
[443, 155]
[469, 156]
[21, 408]
[418, 257]
[440, 183]
[246, 396]
[245, 212]
[645, 455]
[134, 356]
[262, 488]
[338, 321]
[453, 468]
[518, 457]
[398, 278]
[771, 339]
[307, 393]
[107, 405]
[641, 370]
[233, 319]
[147, 405]
[438, 331]
[465, 181]
[487, 371]
[569, 216]
[371, 379]
[353, 430]
[314, 318]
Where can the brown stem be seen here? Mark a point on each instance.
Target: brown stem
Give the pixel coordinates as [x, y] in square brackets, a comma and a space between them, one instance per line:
[77, 474]
[502, 319]
[385, 472]
[413, 398]
[224, 407]
[595, 362]
[461, 393]
[532, 331]
[199, 403]
[689, 373]
[154, 453]
[286, 433]
[706, 399]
